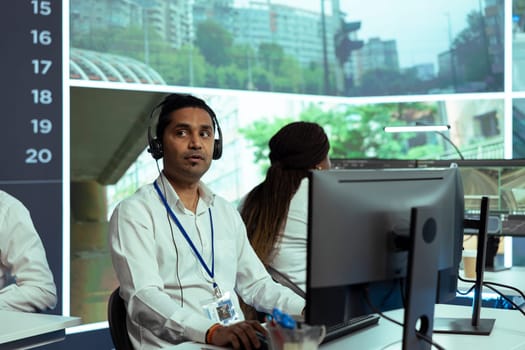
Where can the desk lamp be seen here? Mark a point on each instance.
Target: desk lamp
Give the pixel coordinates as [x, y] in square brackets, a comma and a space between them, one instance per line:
[420, 127]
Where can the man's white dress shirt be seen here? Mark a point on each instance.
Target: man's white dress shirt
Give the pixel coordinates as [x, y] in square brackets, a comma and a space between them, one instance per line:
[162, 281]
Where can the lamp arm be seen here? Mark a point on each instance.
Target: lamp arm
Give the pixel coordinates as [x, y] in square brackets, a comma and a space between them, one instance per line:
[452, 143]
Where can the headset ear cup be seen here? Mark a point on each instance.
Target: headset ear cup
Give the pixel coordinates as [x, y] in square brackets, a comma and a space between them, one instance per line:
[217, 149]
[217, 145]
[155, 148]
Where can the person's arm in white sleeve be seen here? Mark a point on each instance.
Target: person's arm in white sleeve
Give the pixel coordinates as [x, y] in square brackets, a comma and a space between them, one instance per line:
[23, 259]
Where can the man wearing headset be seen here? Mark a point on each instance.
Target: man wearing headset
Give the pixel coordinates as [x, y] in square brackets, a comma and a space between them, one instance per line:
[181, 253]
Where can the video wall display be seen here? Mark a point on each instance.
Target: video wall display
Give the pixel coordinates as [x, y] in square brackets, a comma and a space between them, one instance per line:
[259, 64]
[500, 180]
[504, 186]
[263, 64]
[343, 48]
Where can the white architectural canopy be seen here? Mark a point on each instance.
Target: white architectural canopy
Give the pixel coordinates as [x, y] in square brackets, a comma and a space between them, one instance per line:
[97, 66]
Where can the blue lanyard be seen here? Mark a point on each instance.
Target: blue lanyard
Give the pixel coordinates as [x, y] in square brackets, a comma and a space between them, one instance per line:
[211, 272]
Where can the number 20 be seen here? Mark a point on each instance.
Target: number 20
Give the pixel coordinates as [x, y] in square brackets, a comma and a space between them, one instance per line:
[38, 156]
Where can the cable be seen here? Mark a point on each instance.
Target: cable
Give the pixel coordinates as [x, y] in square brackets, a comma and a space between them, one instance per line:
[390, 292]
[468, 238]
[429, 340]
[377, 311]
[403, 291]
[505, 286]
[172, 238]
[506, 298]
[465, 292]
[490, 286]
[466, 280]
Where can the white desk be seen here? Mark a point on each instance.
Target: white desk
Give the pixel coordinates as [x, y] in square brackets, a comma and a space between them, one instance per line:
[508, 333]
[22, 330]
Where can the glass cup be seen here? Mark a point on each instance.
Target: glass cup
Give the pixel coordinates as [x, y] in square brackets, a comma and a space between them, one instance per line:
[304, 337]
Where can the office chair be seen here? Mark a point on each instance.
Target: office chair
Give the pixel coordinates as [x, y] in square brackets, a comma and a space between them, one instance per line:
[117, 321]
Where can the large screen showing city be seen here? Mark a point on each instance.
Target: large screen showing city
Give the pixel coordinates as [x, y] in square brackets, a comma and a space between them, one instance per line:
[353, 67]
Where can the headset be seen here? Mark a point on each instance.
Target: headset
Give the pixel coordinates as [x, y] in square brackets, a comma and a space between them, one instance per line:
[182, 101]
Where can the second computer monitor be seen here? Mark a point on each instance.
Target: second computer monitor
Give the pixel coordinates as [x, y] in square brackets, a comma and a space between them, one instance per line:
[358, 232]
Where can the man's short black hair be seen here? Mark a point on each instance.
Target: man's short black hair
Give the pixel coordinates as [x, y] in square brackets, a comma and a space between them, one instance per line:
[174, 102]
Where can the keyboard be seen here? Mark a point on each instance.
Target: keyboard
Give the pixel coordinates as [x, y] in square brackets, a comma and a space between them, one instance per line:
[350, 326]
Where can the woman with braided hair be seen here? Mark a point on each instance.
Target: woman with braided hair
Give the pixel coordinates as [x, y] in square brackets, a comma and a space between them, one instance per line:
[276, 211]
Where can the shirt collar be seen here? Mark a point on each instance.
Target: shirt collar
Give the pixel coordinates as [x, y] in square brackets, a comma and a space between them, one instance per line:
[206, 194]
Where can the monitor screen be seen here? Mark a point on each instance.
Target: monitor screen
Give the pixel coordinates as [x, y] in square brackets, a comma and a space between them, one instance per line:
[359, 223]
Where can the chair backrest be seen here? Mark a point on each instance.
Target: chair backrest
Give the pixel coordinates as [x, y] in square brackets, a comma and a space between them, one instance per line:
[117, 321]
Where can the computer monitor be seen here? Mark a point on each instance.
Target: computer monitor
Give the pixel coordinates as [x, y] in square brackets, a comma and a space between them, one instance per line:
[358, 228]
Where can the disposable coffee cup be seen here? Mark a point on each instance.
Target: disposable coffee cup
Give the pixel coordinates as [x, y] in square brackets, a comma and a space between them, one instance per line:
[469, 263]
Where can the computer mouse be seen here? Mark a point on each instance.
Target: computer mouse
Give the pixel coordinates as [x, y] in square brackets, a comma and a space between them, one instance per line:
[263, 339]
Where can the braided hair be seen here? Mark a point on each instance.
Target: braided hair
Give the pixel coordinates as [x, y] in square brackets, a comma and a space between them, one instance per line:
[294, 150]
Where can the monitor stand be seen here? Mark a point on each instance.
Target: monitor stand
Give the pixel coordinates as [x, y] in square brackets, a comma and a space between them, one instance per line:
[474, 325]
[421, 281]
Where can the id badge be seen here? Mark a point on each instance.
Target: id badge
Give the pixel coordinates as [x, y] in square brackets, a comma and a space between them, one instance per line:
[221, 310]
